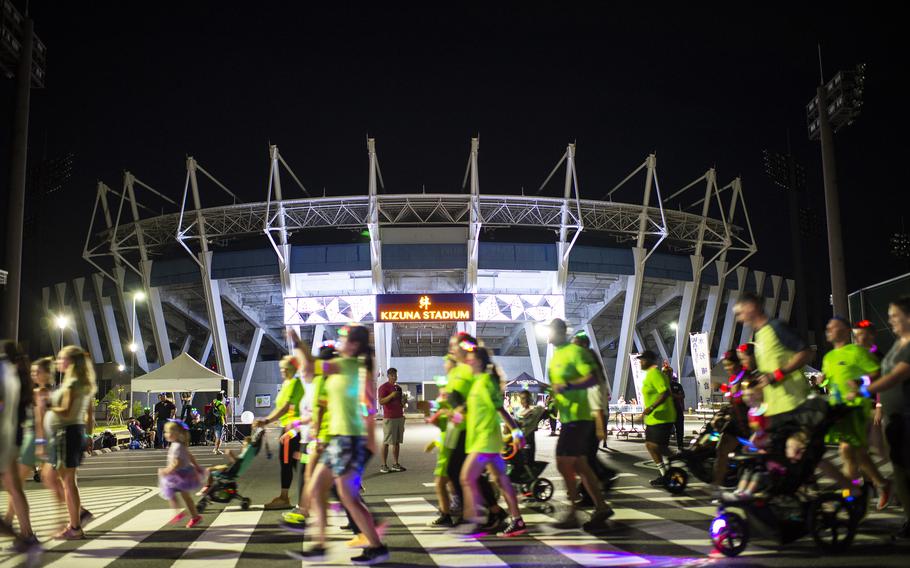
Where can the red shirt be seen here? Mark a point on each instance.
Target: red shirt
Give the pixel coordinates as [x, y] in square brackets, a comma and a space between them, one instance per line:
[394, 408]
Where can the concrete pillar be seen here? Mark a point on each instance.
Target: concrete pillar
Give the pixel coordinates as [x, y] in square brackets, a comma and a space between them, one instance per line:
[629, 322]
[746, 335]
[212, 290]
[156, 313]
[534, 352]
[726, 334]
[250, 365]
[87, 316]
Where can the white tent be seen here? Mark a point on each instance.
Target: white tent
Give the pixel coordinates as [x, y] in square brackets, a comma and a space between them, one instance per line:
[182, 374]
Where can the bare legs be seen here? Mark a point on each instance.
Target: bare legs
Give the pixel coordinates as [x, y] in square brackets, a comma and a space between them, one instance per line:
[18, 504]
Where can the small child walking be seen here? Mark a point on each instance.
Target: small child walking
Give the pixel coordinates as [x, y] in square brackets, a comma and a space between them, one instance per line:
[182, 474]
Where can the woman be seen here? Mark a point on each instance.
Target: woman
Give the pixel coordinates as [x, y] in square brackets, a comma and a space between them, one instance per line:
[286, 407]
[351, 406]
[894, 387]
[69, 419]
[483, 442]
[23, 437]
[738, 425]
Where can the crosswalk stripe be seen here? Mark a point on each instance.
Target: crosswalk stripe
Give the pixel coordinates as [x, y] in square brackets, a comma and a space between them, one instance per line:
[105, 549]
[580, 547]
[223, 540]
[443, 548]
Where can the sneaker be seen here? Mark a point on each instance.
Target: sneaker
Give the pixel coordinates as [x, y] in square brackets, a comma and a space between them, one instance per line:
[443, 520]
[515, 527]
[371, 556]
[659, 481]
[359, 541]
[598, 521]
[26, 545]
[384, 469]
[884, 496]
[277, 504]
[69, 533]
[398, 467]
[293, 521]
[194, 521]
[570, 521]
[177, 518]
[495, 522]
[85, 516]
[315, 554]
[467, 528]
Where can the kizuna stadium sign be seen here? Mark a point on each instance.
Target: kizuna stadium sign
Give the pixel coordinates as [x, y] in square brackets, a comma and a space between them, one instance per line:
[424, 307]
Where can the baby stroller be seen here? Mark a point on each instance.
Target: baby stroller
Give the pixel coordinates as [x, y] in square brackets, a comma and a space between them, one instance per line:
[700, 456]
[224, 483]
[792, 505]
[524, 471]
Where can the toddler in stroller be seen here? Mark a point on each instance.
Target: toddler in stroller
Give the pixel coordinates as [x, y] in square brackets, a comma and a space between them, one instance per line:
[521, 466]
[783, 497]
[221, 486]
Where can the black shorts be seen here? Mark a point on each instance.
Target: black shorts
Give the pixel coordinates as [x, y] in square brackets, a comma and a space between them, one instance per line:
[897, 432]
[69, 443]
[659, 433]
[575, 438]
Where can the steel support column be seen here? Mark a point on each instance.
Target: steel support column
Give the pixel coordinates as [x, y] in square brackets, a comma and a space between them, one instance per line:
[534, 352]
[247, 377]
[746, 335]
[187, 342]
[87, 317]
[786, 307]
[206, 349]
[712, 307]
[106, 305]
[727, 332]
[661, 346]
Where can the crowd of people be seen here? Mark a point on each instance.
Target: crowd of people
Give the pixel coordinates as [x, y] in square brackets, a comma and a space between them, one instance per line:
[328, 404]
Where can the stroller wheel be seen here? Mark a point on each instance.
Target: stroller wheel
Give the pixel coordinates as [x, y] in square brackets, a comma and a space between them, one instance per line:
[677, 480]
[542, 489]
[832, 523]
[37, 475]
[729, 533]
[245, 503]
[202, 505]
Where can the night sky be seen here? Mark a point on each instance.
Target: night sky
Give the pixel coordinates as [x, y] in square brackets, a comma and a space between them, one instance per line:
[139, 86]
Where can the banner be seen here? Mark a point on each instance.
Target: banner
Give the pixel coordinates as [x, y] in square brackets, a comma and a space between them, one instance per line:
[701, 361]
[638, 378]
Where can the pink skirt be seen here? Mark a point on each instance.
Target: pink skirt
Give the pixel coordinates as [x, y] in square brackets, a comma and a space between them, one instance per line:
[183, 479]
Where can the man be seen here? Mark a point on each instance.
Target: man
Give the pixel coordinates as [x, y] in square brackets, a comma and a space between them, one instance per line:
[660, 414]
[599, 401]
[219, 411]
[164, 411]
[186, 413]
[147, 423]
[780, 356]
[392, 400]
[572, 372]
[679, 402]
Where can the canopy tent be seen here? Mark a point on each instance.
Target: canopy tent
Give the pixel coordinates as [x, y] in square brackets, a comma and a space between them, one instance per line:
[525, 381]
[182, 374]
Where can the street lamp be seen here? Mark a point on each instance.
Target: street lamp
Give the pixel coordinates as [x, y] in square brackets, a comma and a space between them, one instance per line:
[121, 368]
[138, 296]
[62, 322]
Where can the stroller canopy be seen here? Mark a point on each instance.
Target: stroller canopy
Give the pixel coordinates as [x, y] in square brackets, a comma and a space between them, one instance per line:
[183, 374]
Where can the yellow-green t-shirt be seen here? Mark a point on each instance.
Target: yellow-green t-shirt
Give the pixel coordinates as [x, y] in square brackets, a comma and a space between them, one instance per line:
[653, 386]
[291, 393]
[775, 345]
[484, 430]
[571, 362]
[846, 364]
[459, 379]
[342, 393]
[320, 401]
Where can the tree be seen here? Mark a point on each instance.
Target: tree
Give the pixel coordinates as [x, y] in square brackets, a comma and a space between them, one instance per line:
[116, 404]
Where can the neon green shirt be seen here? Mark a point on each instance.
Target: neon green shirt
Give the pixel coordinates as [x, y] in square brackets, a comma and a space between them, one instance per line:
[319, 401]
[571, 362]
[653, 386]
[291, 393]
[460, 379]
[484, 435]
[846, 364]
[342, 392]
[775, 345]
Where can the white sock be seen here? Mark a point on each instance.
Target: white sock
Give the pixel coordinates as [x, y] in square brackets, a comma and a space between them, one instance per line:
[662, 467]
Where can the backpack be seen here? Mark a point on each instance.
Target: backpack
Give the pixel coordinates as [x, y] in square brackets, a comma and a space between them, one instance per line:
[108, 440]
[210, 419]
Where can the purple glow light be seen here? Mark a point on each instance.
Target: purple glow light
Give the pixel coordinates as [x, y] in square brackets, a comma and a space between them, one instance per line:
[719, 524]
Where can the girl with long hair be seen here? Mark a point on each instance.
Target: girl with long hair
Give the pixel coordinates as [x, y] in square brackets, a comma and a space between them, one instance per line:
[350, 393]
[69, 419]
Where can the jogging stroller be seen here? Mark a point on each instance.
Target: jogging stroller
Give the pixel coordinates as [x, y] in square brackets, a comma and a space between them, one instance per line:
[224, 482]
[700, 456]
[524, 471]
[792, 505]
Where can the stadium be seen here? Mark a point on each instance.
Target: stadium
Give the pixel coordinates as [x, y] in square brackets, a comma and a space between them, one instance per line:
[638, 267]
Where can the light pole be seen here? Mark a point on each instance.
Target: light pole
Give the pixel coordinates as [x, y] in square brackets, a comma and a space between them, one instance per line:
[62, 322]
[138, 296]
[836, 104]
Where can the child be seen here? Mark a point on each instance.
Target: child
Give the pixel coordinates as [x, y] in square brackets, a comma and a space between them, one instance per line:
[232, 458]
[753, 478]
[182, 473]
[440, 420]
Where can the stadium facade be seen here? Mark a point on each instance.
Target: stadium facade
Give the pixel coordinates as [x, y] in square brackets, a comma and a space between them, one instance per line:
[222, 283]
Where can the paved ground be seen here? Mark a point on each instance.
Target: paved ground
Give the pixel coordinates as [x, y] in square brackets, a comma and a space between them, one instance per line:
[650, 528]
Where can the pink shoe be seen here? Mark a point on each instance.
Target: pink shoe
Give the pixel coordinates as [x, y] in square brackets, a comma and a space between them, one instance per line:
[194, 521]
[177, 518]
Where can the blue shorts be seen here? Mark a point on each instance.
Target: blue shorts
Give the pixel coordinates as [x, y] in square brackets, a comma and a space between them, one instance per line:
[219, 430]
[346, 454]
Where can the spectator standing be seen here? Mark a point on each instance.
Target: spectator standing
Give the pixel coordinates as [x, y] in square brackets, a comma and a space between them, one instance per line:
[164, 411]
[679, 401]
[147, 423]
[391, 398]
[219, 412]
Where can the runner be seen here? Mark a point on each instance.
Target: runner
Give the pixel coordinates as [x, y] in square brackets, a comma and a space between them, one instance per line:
[894, 386]
[70, 417]
[572, 372]
[351, 404]
[864, 334]
[285, 412]
[24, 458]
[440, 419]
[660, 414]
[460, 378]
[482, 412]
[738, 427]
[841, 367]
